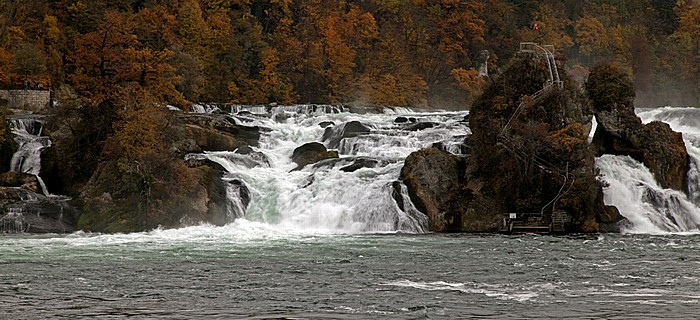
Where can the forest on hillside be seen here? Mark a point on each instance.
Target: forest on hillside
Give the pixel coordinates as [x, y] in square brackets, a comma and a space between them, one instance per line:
[377, 52]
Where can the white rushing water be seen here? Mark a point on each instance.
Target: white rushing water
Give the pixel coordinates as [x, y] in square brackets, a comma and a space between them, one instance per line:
[27, 159]
[322, 198]
[633, 190]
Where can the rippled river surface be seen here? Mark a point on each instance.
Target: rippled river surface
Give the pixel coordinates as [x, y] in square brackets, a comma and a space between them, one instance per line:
[214, 273]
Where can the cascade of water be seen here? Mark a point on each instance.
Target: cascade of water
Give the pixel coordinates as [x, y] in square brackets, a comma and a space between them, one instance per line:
[12, 221]
[322, 197]
[633, 190]
[27, 159]
[649, 208]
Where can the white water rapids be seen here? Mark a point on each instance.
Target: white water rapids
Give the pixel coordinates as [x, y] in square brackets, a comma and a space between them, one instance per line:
[321, 198]
[633, 190]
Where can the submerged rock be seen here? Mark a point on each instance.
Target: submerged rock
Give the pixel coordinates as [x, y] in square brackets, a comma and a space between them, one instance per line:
[359, 163]
[22, 210]
[420, 126]
[324, 124]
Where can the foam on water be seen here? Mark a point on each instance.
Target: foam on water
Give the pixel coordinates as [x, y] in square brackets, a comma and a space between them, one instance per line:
[322, 197]
[634, 191]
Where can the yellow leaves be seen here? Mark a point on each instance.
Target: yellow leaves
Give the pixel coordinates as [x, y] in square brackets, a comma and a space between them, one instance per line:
[141, 123]
[5, 66]
[392, 90]
[591, 36]
[17, 34]
[52, 30]
[570, 137]
[469, 80]
[191, 25]
[689, 19]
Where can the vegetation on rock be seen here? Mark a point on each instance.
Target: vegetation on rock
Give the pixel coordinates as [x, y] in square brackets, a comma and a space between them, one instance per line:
[621, 132]
[8, 146]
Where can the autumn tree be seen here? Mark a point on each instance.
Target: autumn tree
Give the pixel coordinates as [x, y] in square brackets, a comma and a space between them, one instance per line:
[591, 37]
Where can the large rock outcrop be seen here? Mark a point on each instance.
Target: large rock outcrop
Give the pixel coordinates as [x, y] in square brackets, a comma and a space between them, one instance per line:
[211, 132]
[118, 201]
[621, 132]
[528, 154]
[437, 187]
[157, 189]
[24, 209]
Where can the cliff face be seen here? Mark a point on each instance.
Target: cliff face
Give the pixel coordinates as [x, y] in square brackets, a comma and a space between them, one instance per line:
[164, 190]
[529, 155]
[621, 132]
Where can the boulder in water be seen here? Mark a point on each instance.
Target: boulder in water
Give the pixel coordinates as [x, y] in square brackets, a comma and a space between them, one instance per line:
[401, 120]
[419, 126]
[324, 124]
[437, 187]
[359, 163]
[333, 135]
[311, 152]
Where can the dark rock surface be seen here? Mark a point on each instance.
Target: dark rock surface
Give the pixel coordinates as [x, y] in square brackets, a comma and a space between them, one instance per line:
[22, 210]
[20, 180]
[324, 124]
[621, 132]
[437, 187]
[333, 135]
[419, 126]
[212, 132]
[311, 152]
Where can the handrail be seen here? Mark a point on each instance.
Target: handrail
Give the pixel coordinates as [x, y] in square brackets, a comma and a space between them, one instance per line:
[554, 79]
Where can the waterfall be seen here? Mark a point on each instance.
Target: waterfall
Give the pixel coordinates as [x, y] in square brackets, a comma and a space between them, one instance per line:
[327, 196]
[27, 159]
[633, 190]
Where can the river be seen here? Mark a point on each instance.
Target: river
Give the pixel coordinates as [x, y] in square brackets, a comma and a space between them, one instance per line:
[325, 243]
[244, 271]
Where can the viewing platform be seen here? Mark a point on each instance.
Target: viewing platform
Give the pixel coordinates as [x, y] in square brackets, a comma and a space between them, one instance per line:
[552, 223]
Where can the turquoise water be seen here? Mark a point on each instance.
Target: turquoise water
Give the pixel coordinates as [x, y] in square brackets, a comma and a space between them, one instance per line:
[246, 271]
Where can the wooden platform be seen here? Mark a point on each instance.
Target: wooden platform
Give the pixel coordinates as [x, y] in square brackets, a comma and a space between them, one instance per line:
[549, 223]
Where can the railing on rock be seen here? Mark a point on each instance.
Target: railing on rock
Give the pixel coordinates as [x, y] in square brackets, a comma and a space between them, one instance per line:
[555, 221]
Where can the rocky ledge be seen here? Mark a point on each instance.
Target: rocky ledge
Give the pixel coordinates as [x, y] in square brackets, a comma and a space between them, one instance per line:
[530, 154]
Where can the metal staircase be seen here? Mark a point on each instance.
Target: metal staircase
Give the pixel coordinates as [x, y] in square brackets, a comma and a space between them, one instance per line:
[556, 219]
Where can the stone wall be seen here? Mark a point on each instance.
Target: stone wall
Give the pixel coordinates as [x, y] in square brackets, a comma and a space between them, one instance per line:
[30, 100]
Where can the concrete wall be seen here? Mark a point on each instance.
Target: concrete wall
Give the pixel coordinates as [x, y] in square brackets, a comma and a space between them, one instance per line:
[30, 100]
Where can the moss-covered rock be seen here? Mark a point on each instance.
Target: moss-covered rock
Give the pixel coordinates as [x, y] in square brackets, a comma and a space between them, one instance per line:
[118, 201]
[621, 132]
